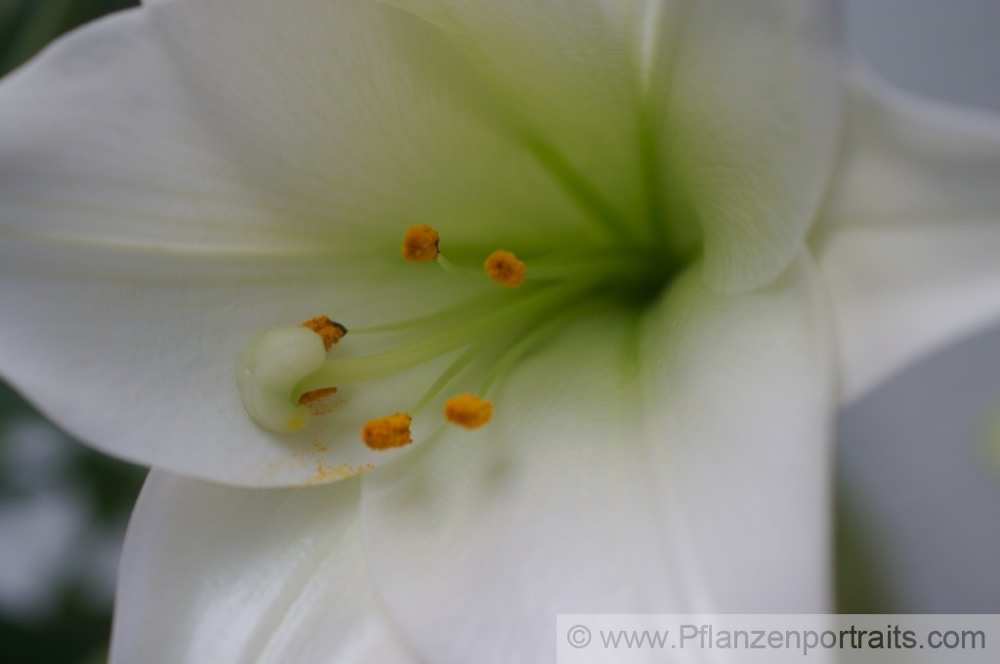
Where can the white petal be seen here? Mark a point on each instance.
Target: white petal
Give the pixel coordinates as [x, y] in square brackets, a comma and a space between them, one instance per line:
[565, 71]
[747, 95]
[700, 485]
[176, 178]
[716, 118]
[216, 574]
[911, 241]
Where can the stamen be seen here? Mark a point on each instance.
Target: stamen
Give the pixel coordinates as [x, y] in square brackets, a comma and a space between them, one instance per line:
[314, 396]
[455, 270]
[420, 243]
[536, 336]
[468, 410]
[482, 328]
[504, 268]
[387, 432]
[329, 331]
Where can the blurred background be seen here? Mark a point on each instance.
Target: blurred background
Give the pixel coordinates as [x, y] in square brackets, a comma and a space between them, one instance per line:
[918, 461]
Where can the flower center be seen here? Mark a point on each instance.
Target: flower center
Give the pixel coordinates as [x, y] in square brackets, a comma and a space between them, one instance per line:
[284, 374]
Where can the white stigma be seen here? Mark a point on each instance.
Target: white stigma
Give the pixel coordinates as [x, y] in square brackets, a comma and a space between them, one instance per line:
[271, 364]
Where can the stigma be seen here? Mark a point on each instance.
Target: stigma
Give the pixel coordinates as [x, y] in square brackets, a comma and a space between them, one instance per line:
[268, 369]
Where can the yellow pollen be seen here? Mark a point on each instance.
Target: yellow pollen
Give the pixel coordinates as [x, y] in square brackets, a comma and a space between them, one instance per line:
[468, 410]
[420, 243]
[504, 268]
[329, 331]
[387, 432]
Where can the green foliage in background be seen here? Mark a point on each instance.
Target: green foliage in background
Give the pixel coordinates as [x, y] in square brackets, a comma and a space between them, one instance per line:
[28, 25]
[77, 623]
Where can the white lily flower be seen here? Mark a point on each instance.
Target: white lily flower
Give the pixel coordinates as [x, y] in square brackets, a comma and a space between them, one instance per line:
[182, 185]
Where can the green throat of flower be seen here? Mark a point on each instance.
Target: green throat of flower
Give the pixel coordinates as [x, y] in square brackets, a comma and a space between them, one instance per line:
[284, 374]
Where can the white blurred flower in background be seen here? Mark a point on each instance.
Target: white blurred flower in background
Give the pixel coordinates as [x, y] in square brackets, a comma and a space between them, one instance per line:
[915, 455]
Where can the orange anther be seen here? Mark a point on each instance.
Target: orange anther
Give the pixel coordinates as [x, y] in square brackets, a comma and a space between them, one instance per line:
[420, 243]
[468, 410]
[504, 268]
[387, 432]
[328, 330]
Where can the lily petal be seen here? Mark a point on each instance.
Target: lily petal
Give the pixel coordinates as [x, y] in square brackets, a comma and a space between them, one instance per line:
[747, 97]
[563, 70]
[910, 244]
[216, 574]
[726, 113]
[167, 188]
[702, 488]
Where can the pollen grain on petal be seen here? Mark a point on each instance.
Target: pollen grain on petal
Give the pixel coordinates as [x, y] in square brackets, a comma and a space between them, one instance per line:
[326, 472]
[387, 432]
[468, 410]
[420, 243]
[329, 331]
[505, 268]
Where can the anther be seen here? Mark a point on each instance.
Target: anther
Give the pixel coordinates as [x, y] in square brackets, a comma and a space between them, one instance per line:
[329, 331]
[315, 395]
[420, 243]
[387, 432]
[468, 410]
[504, 268]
